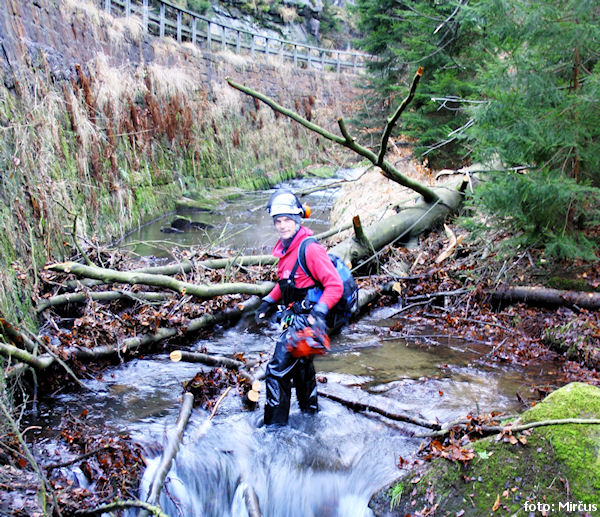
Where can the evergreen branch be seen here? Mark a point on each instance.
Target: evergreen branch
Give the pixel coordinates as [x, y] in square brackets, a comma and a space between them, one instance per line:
[394, 118]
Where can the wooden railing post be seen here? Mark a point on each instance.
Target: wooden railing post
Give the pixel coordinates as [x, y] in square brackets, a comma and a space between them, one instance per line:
[127, 8]
[145, 15]
[322, 60]
[238, 42]
[252, 47]
[194, 23]
[208, 37]
[223, 42]
[178, 26]
[266, 50]
[354, 68]
[295, 56]
[162, 21]
[107, 6]
[338, 65]
[309, 58]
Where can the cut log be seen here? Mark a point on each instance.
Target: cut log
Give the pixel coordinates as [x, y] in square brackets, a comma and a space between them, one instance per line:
[211, 360]
[547, 297]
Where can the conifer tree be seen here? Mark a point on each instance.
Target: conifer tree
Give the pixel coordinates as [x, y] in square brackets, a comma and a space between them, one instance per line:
[429, 33]
[541, 80]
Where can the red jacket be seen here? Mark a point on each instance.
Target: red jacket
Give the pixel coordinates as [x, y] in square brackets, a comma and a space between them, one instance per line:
[318, 263]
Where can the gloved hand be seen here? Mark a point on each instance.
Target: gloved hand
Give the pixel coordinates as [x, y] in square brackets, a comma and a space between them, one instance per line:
[317, 315]
[265, 308]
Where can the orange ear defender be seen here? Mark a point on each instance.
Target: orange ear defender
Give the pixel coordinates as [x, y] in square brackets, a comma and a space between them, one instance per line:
[306, 210]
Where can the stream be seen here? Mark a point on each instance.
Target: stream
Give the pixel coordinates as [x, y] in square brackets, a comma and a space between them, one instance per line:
[328, 464]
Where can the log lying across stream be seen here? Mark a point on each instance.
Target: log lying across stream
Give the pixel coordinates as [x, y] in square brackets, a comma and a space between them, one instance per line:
[545, 296]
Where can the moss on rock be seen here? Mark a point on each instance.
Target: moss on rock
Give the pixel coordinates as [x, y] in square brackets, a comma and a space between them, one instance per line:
[558, 466]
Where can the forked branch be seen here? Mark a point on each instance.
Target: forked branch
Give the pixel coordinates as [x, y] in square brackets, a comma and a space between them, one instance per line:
[388, 170]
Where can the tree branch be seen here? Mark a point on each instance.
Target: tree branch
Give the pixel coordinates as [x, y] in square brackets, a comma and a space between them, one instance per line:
[171, 449]
[134, 277]
[388, 170]
[394, 118]
[117, 505]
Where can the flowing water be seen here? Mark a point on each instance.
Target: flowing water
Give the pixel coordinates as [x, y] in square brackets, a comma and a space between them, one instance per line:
[328, 464]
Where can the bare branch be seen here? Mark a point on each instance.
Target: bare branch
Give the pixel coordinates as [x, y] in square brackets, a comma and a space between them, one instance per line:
[388, 170]
[394, 118]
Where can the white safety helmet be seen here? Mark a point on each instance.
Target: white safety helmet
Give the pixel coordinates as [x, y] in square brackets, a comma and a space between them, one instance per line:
[284, 202]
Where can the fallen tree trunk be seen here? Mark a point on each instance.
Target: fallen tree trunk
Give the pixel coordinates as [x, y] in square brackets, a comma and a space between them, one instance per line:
[162, 334]
[136, 278]
[547, 297]
[185, 266]
[409, 223]
[103, 296]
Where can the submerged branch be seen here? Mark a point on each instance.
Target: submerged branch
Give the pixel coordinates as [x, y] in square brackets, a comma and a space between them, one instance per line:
[171, 449]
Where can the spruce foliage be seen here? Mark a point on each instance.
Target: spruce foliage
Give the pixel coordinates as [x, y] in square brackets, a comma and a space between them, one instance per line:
[513, 82]
[413, 33]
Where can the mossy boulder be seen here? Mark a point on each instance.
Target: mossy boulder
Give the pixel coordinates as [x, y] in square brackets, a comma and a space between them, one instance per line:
[557, 466]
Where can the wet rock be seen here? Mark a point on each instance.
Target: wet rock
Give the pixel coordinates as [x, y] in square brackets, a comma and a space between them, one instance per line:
[182, 224]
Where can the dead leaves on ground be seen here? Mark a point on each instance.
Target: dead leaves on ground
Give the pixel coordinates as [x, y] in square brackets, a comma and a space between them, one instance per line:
[517, 334]
[111, 462]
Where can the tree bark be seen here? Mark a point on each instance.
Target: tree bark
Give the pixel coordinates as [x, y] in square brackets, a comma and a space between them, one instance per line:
[547, 297]
[388, 170]
[103, 296]
[210, 360]
[39, 362]
[408, 223]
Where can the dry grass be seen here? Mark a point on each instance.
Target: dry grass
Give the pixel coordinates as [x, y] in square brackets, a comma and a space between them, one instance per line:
[288, 14]
[169, 82]
[113, 86]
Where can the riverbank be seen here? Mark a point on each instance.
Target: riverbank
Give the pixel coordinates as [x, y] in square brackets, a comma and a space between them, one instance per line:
[452, 291]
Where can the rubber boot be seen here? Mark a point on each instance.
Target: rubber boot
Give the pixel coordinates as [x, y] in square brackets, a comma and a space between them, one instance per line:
[306, 385]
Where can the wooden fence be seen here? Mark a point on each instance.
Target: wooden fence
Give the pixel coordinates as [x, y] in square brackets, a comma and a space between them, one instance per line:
[162, 18]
